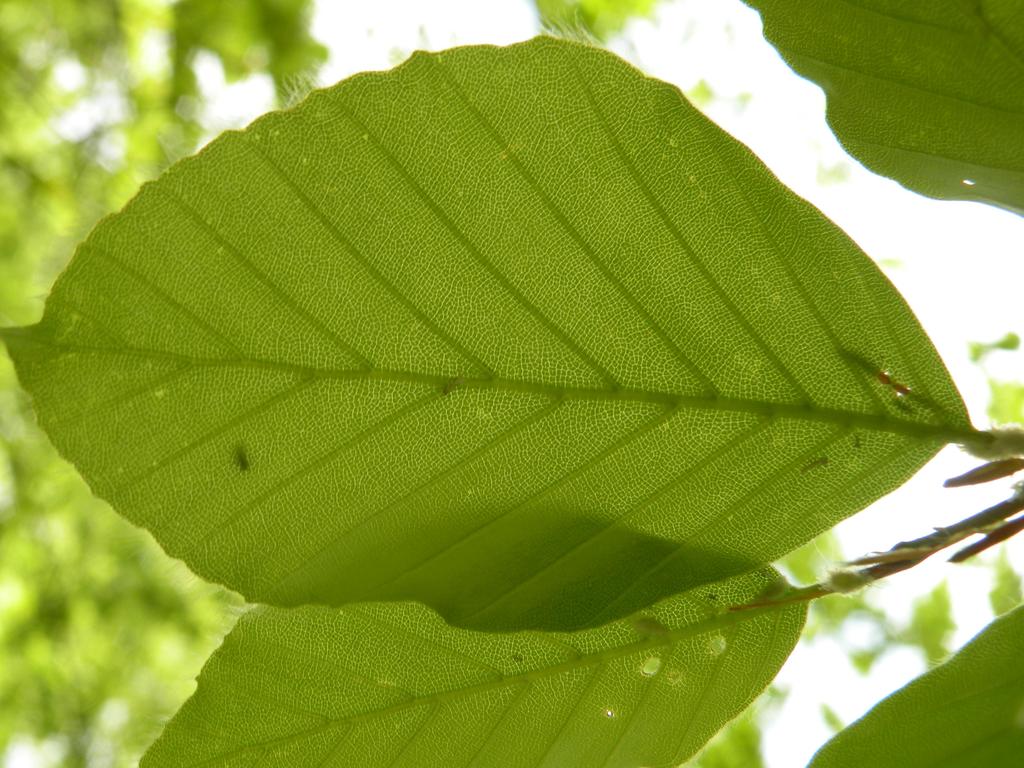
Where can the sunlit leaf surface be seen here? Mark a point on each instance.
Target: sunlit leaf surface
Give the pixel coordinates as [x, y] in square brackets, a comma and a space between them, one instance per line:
[966, 713]
[391, 686]
[929, 92]
[515, 332]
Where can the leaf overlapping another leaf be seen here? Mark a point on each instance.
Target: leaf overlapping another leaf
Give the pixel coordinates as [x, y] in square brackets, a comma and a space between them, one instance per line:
[515, 332]
[391, 686]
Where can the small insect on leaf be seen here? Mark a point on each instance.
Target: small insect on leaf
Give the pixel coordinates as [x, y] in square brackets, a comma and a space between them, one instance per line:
[241, 458]
[881, 375]
[901, 390]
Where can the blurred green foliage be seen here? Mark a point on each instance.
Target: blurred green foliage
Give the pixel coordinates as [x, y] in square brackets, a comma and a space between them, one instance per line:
[101, 634]
[701, 94]
[249, 37]
[832, 719]
[600, 19]
[1006, 591]
[979, 349]
[1007, 403]
[809, 564]
[929, 629]
[931, 625]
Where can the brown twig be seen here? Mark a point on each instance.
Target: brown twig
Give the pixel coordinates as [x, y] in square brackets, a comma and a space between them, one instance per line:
[906, 554]
[1002, 533]
[993, 470]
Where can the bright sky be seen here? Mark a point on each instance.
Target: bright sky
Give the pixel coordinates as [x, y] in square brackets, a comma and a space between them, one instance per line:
[959, 265]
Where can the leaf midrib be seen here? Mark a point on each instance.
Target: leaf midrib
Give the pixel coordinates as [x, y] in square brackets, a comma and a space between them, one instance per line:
[449, 385]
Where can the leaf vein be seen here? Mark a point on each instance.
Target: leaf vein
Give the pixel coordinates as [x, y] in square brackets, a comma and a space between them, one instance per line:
[208, 328]
[561, 480]
[691, 716]
[496, 675]
[388, 285]
[592, 678]
[473, 251]
[899, 84]
[212, 434]
[312, 466]
[563, 221]
[502, 437]
[802, 412]
[684, 244]
[791, 466]
[263, 279]
[525, 687]
[112, 403]
[805, 297]
[435, 707]
[594, 660]
[664, 488]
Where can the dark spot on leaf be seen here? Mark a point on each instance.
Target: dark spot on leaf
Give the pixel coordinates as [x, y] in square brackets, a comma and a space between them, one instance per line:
[241, 458]
[821, 461]
[903, 405]
[451, 384]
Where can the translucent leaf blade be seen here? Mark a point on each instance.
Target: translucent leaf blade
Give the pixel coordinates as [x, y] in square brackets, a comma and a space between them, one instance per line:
[391, 686]
[515, 332]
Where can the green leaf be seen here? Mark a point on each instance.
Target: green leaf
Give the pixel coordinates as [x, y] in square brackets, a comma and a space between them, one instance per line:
[392, 685]
[964, 713]
[928, 92]
[515, 332]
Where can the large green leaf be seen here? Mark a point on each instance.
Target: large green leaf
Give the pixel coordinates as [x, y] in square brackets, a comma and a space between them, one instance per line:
[929, 92]
[966, 713]
[391, 685]
[515, 332]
